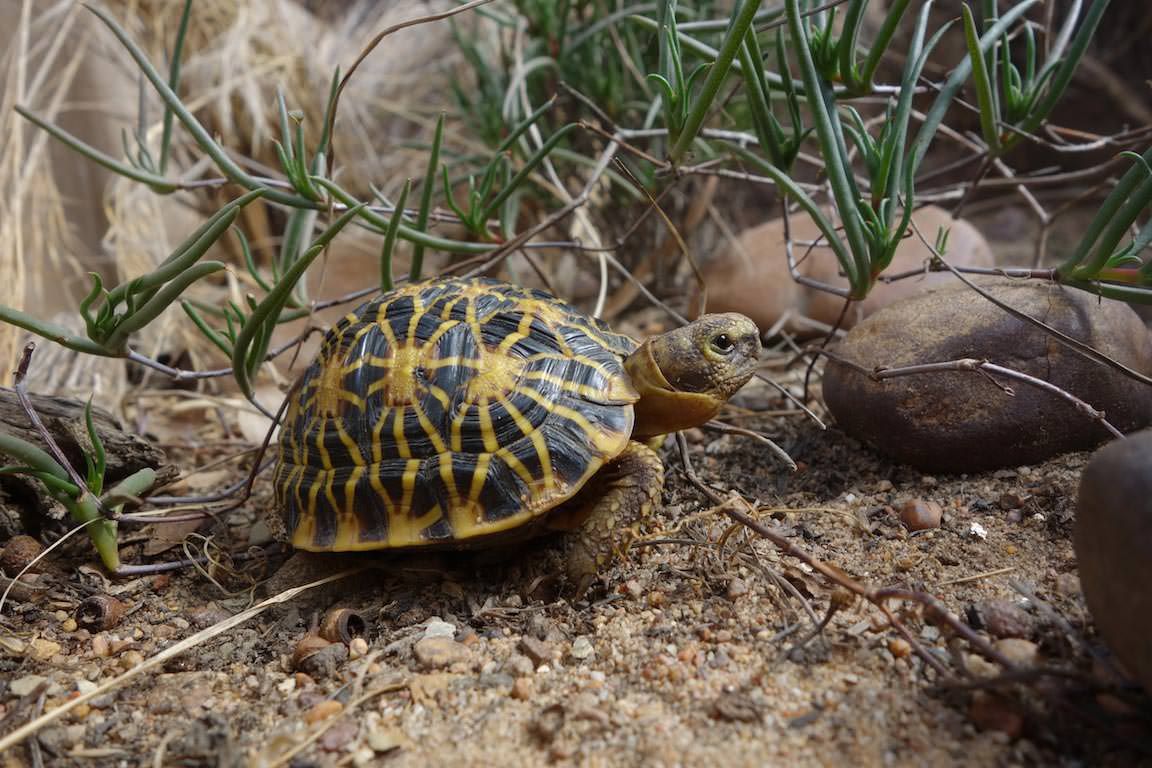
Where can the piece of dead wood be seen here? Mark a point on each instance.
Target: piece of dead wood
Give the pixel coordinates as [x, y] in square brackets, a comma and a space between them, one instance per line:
[24, 502]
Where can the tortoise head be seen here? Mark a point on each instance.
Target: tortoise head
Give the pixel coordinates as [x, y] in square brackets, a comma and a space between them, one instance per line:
[685, 375]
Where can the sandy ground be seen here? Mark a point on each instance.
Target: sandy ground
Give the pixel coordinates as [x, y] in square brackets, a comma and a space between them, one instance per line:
[699, 649]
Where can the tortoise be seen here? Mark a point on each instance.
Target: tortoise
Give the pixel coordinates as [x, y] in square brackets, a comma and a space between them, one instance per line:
[459, 412]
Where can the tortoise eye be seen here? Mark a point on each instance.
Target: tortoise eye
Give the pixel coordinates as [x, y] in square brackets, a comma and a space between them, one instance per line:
[723, 344]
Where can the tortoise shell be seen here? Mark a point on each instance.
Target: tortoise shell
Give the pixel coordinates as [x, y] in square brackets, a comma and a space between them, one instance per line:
[449, 410]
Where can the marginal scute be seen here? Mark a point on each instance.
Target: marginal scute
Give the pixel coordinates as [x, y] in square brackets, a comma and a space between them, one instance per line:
[446, 411]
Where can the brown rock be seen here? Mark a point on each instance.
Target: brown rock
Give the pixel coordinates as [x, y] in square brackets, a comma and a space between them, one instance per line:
[959, 421]
[440, 652]
[920, 515]
[319, 659]
[736, 707]
[323, 710]
[1021, 652]
[538, 651]
[521, 689]
[751, 274]
[18, 553]
[1004, 618]
[1113, 542]
[991, 712]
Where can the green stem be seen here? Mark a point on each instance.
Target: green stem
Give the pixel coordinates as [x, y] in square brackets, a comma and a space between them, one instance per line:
[1108, 212]
[33, 456]
[174, 81]
[822, 103]
[269, 308]
[158, 183]
[57, 333]
[205, 141]
[791, 189]
[100, 530]
[880, 44]
[733, 39]
[406, 232]
[417, 265]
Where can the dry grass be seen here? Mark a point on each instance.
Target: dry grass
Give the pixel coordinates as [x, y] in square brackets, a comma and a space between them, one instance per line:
[65, 67]
[38, 67]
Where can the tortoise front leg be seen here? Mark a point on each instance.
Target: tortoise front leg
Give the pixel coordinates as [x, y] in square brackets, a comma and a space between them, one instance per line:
[601, 515]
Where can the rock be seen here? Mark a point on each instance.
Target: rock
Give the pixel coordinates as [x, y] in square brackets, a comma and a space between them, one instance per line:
[1113, 543]
[992, 712]
[339, 737]
[737, 588]
[899, 647]
[1004, 618]
[324, 661]
[959, 421]
[440, 652]
[385, 738]
[323, 710]
[358, 648]
[519, 665]
[751, 274]
[920, 515]
[538, 651]
[18, 554]
[42, 650]
[582, 649]
[736, 707]
[22, 686]
[1021, 652]
[521, 689]
[438, 628]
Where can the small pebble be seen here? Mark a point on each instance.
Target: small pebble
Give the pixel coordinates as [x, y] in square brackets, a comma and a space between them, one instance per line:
[101, 648]
[737, 588]
[42, 650]
[1004, 618]
[1019, 651]
[440, 652]
[438, 628]
[385, 738]
[18, 553]
[899, 647]
[920, 515]
[1009, 501]
[338, 737]
[736, 707]
[322, 711]
[990, 712]
[521, 689]
[68, 625]
[538, 651]
[12, 645]
[23, 686]
[519, 665]
[324, 662]
[582, 648]
[358, 648]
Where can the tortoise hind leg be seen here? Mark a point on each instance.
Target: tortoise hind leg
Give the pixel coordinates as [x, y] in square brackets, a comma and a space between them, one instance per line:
[601, 515]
